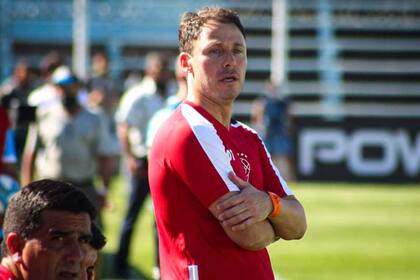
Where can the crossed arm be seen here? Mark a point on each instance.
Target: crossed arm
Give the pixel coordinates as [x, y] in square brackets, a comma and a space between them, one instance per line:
[244, 216]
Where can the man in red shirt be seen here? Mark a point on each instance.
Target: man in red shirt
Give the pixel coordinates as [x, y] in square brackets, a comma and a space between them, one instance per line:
[47, 230]
[219, 200]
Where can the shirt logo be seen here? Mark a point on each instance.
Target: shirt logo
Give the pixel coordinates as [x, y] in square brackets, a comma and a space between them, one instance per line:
[245, 164]
[243, 159]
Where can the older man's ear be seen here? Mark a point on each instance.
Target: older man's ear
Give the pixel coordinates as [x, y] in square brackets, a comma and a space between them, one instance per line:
[15, 244]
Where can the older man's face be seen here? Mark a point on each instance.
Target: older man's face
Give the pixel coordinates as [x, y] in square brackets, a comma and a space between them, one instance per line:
[57, 249]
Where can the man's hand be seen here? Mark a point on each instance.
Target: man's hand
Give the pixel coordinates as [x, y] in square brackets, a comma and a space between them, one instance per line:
[247, 207]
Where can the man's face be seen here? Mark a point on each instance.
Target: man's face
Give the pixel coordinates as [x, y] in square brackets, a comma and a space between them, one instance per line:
[157, 70]
[56, 249]
[218, 62]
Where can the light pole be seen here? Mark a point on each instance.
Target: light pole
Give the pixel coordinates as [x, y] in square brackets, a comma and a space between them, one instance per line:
[81, 44]
[279, 42]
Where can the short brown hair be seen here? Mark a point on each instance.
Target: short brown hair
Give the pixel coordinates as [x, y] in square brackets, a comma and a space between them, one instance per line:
[192, 22]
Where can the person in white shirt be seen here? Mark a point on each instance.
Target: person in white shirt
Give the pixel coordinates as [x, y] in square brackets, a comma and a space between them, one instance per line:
[136, 108]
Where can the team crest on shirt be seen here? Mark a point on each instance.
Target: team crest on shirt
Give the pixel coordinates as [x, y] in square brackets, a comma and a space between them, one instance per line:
[245, 164]
[243, 159]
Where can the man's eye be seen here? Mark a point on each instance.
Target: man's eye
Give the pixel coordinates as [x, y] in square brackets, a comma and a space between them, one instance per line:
[238, 51]
[85, 239]
[216, 51]
[58, 238]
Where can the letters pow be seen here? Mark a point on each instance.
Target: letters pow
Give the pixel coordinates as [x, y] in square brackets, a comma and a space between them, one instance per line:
[329, 146]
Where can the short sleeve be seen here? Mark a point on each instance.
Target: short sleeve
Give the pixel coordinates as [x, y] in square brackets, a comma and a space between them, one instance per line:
[201, 168]
[198, 171]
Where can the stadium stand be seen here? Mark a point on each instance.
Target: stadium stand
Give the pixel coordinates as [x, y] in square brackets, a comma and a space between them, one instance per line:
[345, 59]
[126, 31]
[358, 53]
[368, 50]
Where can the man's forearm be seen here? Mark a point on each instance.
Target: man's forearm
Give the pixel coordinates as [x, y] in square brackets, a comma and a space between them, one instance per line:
[291, 223]
[240, 210]
[255, 237]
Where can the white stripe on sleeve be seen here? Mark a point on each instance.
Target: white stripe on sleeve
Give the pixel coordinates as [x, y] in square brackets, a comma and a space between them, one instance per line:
[211, 143]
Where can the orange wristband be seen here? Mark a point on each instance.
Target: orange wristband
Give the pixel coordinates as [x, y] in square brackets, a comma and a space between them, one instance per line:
[275, 199]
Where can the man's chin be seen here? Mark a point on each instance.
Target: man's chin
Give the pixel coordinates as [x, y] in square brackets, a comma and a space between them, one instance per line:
[229, 97]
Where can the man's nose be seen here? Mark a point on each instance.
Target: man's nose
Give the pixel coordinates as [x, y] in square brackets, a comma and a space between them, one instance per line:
[75, 252]
[229, 59]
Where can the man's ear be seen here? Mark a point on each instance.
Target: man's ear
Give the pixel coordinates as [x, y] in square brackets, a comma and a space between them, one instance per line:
[15, 244]
[184, 61]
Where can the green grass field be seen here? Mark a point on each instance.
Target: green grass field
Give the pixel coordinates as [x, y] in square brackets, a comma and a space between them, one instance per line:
[355, 231]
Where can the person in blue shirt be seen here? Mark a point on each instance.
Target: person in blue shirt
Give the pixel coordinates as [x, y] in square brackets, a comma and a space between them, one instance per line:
[270, 118]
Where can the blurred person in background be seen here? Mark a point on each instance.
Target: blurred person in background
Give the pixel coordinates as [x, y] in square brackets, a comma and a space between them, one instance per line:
[103, 97]
[8, 157]
[47, 93]
[269, 116]
[171, 103]
[14, 94]
[219, 201]
[8, 165]
[103, 90]
[47, 231]
[133, 78]
[69, 143]
[18, 86]
[136, 108]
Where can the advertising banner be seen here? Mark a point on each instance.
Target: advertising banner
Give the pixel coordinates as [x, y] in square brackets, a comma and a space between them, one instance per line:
[358, 149]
